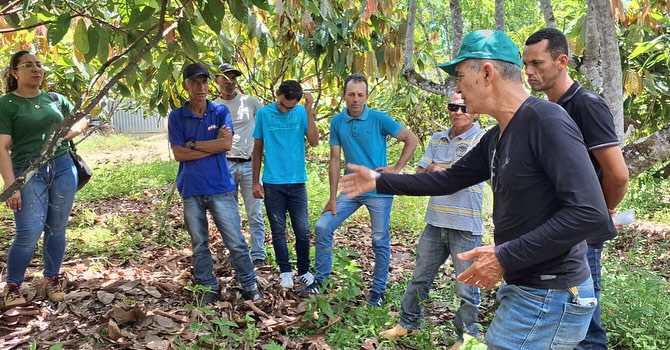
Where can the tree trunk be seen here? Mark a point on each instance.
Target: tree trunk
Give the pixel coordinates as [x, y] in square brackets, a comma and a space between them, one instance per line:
[611, 63]
[408, 71]
[500, 15]
[548, 13]
[591, 59]
[457, 23]
[648, 151]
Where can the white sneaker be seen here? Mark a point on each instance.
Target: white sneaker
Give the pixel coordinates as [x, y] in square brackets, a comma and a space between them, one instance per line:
[306, 279]
[286, 280]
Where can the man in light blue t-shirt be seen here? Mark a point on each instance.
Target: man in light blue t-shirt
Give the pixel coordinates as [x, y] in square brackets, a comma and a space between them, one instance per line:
[280, 133]
[361, 133]
[453, 225]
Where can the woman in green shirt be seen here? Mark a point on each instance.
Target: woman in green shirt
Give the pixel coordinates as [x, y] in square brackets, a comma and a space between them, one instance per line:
[27, 115]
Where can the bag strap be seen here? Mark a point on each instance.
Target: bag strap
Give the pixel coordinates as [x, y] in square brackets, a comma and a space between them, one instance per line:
[54, 98]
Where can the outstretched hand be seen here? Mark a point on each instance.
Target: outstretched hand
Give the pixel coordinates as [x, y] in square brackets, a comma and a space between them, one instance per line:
[485, 272]
[360, 180]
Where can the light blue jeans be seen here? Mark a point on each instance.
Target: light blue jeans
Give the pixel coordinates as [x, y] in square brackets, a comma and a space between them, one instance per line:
[46, 204]
[223, 208]
[380, 217]
[434, 247]
[241, 173]
[532, 318]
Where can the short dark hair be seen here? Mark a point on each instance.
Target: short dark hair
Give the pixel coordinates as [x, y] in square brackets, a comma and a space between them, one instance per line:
[557, 44]
[291, 90]
[356, 78]
[10, 82]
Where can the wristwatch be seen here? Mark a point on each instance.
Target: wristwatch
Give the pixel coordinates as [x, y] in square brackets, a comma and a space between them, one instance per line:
[192, 144]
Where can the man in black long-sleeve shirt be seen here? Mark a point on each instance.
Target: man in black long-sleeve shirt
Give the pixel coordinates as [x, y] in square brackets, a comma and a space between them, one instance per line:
[546, 201]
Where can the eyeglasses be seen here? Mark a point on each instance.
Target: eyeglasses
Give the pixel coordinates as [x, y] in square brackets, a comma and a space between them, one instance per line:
[31, 65]
[453, 107]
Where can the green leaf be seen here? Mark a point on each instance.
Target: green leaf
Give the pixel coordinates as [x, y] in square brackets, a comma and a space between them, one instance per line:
[103, 45]
[13, 20]
[184, 29]
[239, 9]
[213, 12]
[81, 37]
[58, 29]
[142, 15]
[262, 4]
[123, 89]
[93, 43]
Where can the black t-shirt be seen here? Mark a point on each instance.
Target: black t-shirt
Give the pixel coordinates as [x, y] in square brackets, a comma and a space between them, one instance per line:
[596, 122]
[547, 198]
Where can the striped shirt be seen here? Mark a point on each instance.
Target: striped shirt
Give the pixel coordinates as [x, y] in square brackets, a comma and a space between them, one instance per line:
[463, 209]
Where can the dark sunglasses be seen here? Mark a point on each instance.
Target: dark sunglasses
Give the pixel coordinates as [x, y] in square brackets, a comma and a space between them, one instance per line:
[453, 107]
[286, 107]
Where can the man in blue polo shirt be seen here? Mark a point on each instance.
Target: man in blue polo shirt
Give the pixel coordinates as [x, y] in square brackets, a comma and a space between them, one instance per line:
[361, 133]
[200, 134]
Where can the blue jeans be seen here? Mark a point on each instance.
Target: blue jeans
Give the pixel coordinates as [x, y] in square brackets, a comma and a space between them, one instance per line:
[380, 217]
[223, 208]
[46, 199]
[596, 337]
[532, 318]
[434, 247]
[291, 198]
[241, 173]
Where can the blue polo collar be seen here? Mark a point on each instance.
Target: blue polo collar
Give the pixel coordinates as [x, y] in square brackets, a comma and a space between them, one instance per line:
[363, 115]
[187, 112]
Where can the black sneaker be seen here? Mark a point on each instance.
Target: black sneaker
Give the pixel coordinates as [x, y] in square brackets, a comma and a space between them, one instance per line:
[208, 298]
[254, 295]
[259, 262]
[376, 299]
[314, 288]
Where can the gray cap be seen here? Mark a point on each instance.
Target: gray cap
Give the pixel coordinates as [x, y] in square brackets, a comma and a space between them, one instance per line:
[227, 68]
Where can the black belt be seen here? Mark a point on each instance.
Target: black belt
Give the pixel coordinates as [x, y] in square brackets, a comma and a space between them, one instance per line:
[239, 160]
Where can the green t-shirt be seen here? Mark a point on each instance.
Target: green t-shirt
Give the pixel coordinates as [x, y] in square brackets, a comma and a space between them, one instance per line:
[29, 127]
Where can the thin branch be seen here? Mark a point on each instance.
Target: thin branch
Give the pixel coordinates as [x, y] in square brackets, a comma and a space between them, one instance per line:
[61, 130]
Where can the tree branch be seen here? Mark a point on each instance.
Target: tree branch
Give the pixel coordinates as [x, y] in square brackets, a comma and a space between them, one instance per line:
[60, 130]
[408, 71]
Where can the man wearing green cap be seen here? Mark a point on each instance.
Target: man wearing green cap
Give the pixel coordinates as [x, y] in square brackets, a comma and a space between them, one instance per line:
[546, 201]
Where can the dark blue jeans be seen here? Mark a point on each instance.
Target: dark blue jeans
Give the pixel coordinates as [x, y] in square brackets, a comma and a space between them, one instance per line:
[46, 204]
[596, 337]
[291, 198]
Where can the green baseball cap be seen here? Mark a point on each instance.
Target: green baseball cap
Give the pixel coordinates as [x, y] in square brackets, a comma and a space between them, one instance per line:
[485, 44]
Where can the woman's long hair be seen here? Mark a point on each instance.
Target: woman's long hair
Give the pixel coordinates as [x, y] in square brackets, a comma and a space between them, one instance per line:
[11, 83]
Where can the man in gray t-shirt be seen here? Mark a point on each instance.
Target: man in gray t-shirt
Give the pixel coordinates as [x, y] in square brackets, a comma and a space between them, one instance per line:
[243, 113]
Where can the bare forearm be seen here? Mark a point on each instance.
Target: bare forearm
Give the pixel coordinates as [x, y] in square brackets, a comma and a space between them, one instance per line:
[183, 154]
[214, 146]
[334, 171]
[312, 131]
[407, 152]
[77, 129]
[6, 169]
[256, 159]
[614, 192]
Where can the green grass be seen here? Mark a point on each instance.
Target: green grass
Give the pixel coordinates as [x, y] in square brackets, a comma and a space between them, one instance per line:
[111, 143]
[127, 179]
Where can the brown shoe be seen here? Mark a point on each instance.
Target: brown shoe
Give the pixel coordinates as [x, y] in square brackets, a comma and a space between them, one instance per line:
[12, 295]
[396, 332]
[54, 289]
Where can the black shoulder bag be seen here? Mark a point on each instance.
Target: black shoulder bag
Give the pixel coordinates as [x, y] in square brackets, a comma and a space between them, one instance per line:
[84, 172]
